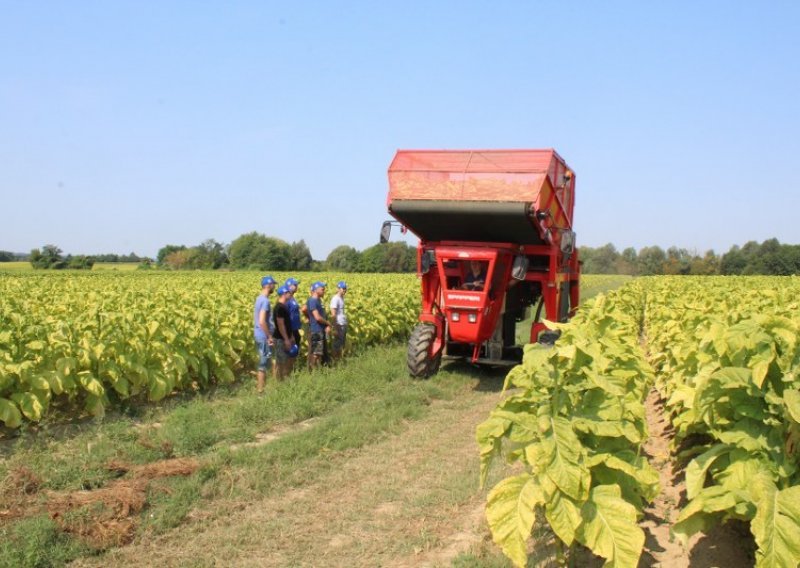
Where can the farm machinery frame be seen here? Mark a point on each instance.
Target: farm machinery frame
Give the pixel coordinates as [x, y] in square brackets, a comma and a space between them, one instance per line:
[495, 241]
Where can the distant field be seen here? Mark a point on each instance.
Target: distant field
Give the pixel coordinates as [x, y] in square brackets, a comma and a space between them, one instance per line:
[21, 265]
[121, 266]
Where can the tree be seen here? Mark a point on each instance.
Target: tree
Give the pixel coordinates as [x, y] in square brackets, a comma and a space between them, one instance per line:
[343, 259]
[626, 264]
[209, 254]
[707, 265]
[388, 257]
[601, 260]
[651, 261]
[257, 251]
[6, 256]
[733, 261]
[48, 258]
[299, 256]
[80, 262]
[181, 259]
[678, 261]
[165, 251]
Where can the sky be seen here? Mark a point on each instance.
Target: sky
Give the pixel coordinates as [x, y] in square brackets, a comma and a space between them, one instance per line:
[129, 125]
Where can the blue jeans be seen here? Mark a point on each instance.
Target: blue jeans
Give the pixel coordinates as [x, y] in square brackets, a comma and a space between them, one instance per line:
[264, 354]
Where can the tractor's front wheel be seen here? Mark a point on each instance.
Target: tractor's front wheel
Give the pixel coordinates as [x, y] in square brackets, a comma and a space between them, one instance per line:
[420, 362]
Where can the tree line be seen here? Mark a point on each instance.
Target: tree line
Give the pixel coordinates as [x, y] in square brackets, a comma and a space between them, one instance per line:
[256, 251]
[770, 257]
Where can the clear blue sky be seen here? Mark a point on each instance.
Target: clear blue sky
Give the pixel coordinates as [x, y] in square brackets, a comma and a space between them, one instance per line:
[125, 126]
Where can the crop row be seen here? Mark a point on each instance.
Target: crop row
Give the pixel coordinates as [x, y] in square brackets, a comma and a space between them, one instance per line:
[576, 423]
[727, 352]
[83, 342]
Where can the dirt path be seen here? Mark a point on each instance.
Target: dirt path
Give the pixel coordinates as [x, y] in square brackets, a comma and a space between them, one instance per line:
[410, 500]
[722, 546]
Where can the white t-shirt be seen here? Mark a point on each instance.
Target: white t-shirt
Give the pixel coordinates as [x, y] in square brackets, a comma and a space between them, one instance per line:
[337, 303]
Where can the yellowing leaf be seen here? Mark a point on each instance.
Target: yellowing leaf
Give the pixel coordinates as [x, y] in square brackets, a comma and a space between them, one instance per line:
[9, 413]
[510, 512]
[610, 527]
[776, 527]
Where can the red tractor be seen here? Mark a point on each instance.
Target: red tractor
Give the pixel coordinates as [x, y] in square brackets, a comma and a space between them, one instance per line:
[495, 238]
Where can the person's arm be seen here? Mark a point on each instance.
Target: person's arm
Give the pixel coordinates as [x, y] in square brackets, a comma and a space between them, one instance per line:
[320, 320]
[262, 323]
[288, 338]
[334, 309]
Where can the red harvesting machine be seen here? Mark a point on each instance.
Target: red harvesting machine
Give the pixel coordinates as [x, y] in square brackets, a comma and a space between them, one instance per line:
[495, 238]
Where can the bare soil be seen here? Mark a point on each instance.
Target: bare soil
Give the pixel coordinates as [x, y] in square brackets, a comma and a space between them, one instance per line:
[728, 546]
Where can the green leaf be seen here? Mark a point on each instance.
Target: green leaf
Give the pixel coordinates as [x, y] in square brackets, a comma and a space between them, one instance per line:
[30, 405]
[791, 397]
[698, 467]
[91, 384]
[699, 514]
[158, 388]
[610, 528]
[564, 516]
[488, 434]
[95, 405]
[562, 450]
[9, 413]
[776, 527]
[510, 512]
[639, 469]
[747, 434]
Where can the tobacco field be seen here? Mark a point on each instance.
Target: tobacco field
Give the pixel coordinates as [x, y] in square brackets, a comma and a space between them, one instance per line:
[80, 343]
[722, 352]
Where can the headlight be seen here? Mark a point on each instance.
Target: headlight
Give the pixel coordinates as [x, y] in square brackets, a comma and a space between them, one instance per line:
[455, 316]
[472, 318]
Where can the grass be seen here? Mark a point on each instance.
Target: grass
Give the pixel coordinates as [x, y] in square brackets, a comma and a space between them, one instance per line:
[365, 400]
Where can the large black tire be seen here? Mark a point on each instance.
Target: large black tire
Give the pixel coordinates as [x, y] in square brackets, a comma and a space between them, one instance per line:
[420, 363]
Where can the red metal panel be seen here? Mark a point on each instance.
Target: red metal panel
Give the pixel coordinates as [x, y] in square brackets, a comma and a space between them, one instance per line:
[480, 175]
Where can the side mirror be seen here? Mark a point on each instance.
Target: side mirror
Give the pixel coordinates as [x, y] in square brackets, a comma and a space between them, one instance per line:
[567, 242]
[428, 259]
[386, 231]
[520, 267]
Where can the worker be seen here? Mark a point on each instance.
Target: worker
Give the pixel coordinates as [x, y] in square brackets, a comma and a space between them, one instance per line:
[284, 340]
[476, 275]
[318, 326]
[339, 319]
[262, 330]
[294, 314]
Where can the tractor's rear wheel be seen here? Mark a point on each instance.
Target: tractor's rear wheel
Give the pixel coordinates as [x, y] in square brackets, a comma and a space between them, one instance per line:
[420, 362]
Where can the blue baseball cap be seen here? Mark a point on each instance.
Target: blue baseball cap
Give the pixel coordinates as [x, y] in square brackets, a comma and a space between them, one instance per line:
[317, 285]
[267, 280]
[342, 284]
[293, 350]
[283, 290]
[292, 282]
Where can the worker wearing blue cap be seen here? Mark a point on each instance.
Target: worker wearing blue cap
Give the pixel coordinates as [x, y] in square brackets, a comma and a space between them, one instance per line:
[318, 326]
[262, 330]
[294, 314]
[284, 340]
[339, 319]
